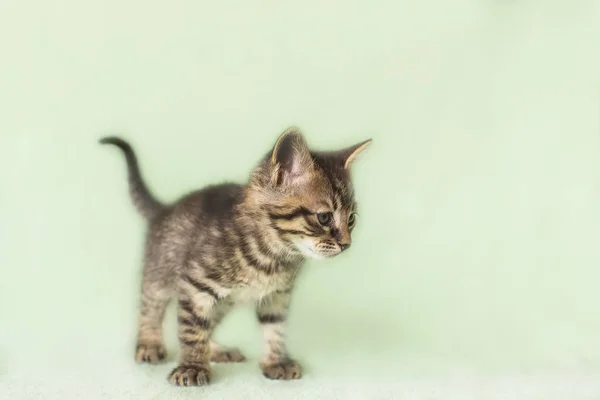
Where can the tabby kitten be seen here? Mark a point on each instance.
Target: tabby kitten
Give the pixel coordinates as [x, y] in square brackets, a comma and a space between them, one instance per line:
[230, 243]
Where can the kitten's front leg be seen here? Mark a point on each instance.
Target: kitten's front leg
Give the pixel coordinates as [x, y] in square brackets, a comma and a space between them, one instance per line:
[276, 362]
[195, 324]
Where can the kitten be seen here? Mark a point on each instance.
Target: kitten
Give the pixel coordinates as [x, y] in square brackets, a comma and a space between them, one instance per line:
[230, 243]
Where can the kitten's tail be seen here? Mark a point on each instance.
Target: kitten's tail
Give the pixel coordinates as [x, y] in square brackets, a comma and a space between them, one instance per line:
[143, 200]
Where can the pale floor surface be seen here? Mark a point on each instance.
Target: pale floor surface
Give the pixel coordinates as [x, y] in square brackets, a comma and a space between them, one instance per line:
[122, 379]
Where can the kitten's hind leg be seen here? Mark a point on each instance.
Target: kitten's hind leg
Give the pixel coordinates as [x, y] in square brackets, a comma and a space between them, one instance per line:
[150, 346]
[222, 354]
[219, 353]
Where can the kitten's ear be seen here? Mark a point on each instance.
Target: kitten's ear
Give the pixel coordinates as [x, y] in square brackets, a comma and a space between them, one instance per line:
[349, 154]
[291, 158]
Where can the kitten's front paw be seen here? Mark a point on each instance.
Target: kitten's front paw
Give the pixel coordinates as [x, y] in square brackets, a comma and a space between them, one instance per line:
[284, 369]
[190, 375]
[150, 353]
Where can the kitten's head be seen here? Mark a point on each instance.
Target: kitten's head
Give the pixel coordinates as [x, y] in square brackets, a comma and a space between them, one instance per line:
[309, 196]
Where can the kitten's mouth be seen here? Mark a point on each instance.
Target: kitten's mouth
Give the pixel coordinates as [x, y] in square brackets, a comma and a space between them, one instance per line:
[326, 254]
[310, 253]
[307, 250]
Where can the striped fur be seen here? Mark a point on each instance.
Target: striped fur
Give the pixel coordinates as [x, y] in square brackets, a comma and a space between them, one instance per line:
[231, 243]
[143, 200]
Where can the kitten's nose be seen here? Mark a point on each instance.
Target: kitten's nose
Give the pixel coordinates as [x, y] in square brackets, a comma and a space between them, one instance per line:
[344, 246]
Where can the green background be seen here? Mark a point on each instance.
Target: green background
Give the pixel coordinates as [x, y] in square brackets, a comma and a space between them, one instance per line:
[477, 244]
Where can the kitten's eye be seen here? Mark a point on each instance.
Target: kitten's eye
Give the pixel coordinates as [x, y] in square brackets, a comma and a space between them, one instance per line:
[324, 218]
[352, 219]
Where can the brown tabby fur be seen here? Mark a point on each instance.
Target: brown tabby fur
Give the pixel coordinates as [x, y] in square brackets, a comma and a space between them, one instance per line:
[229, 243]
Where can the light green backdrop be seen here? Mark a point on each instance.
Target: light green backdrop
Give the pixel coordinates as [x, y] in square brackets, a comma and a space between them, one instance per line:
[477, 245]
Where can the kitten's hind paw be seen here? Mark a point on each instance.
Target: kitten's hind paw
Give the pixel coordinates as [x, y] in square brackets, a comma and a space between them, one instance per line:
[150, 353]
[227, 355]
